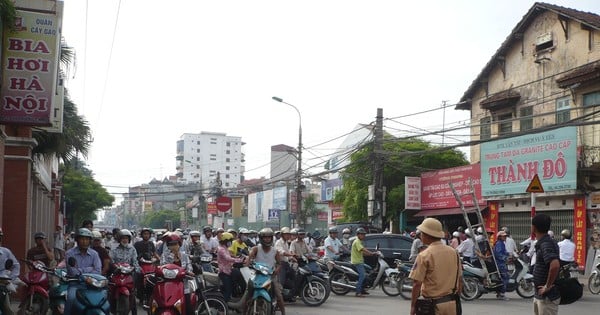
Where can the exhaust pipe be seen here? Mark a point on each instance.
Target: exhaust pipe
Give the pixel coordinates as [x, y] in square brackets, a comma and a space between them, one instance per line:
[343, 285]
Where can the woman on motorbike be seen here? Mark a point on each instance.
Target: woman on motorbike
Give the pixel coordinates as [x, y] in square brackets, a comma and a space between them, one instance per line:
[226, 264]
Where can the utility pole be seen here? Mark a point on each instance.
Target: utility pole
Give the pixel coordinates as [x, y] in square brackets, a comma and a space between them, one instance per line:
[378, 201]
[444, 121]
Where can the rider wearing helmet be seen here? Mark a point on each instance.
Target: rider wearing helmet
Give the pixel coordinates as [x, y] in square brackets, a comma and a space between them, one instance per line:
[566, 248]
[209, 242]
[102, 251]
[146, 246]
[265, 253]
[125, 252]
[80, 259]
[416, 244]
[174, 254]
[357, 259]
[238, 247]
[298, 246]
[41, 251]
[346, 233]
[282, 246]
[226, 262]
[333, 246]
[194, 246]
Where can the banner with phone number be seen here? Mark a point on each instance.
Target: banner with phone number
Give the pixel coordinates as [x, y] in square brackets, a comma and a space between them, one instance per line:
[579, 223]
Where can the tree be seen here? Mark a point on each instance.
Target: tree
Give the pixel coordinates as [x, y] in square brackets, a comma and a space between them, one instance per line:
[83, 194]
[157, 219]
[308, 210]
[401, 158]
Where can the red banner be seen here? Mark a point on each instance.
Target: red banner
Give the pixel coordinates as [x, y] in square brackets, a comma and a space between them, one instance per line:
[436, 193]
[579, 222]
[322, 216]
[211, 208]
[491, 222]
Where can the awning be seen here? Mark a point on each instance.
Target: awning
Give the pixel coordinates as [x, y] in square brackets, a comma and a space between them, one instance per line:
[504, 99]
[440, 212]
[583, 74]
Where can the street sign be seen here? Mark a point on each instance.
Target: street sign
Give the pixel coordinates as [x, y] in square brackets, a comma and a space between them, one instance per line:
[535, 186]
[273, 214]
[223, 203]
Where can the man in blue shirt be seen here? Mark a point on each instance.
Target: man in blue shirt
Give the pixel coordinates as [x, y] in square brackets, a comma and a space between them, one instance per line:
[87, 261]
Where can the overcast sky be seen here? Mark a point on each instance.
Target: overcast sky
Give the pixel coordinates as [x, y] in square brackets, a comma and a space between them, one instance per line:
[189, 66]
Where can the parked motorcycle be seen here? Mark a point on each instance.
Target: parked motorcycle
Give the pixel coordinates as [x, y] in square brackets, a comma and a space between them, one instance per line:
[309, 283]
[343, 277]
[405, 283]
[475, 283]
[121, 297]
[38, 284]
[58, 292]
[92, 294]
[594, 281]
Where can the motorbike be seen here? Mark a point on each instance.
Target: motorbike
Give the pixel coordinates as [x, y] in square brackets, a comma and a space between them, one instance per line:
[38, 284]
[147, 267]
[121, 290]
[258, 296]
[594, 280]
[210, 301]
[343, 277]
[58, 292]
[6, 288]
[309, 283]
[92, 293]
[170, 294]
[475, 282]
[405, 284]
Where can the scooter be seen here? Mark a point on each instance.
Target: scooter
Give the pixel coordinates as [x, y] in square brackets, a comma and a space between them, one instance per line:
[170, 295]
[475, 282]
[58, 292]
[343, 277]
[594, 280]
[121, 285]
[405, 283]
[38, 284]
[92, 294]
[148, 267]
[6, 288]
[309, 282]
[260, 289]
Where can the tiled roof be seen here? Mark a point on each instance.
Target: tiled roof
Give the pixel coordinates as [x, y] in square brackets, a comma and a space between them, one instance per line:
[587, 18]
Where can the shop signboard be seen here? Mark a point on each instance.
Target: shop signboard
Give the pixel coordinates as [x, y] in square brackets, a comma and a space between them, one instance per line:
[578, 237]
[509, 165]
[436, 193]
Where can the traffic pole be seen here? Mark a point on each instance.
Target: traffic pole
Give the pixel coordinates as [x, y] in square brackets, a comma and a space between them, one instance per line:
[532, 212]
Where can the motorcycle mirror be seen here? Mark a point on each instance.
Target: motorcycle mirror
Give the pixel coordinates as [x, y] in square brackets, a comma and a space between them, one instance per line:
[377, 246]
[9, 264]
[72, 262]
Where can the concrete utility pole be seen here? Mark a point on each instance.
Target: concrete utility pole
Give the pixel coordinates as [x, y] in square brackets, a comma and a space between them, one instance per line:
[378, 189]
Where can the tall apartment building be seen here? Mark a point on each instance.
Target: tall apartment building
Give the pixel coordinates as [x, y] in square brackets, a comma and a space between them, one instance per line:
[200, 156]
[284, 163]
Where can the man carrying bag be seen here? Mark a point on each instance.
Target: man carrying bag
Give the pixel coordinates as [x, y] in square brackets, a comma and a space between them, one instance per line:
[436, 274]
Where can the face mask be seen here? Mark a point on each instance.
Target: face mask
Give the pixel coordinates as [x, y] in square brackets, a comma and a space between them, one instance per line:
[244, 238]
[124, 242]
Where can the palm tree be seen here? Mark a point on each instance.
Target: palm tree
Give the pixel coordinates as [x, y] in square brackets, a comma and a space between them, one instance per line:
[76, 136]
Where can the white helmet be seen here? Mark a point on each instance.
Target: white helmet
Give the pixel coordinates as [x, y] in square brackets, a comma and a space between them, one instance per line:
[455, 234]
[480, 230]
[96, 235]
[346, 231]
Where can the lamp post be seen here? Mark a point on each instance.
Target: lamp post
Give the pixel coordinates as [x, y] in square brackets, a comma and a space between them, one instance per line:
[299, 173]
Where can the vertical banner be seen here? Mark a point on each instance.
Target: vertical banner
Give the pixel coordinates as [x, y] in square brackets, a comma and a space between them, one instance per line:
[412, 192]
[29, 64]
[491, 223]
[579, 222]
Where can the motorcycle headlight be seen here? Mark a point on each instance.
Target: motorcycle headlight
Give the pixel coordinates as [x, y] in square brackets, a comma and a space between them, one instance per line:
[96, 283]
[127, 270]
[170, 273]
[267, 284]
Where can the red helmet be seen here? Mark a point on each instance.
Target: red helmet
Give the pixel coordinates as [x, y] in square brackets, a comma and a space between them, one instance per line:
[172, 239]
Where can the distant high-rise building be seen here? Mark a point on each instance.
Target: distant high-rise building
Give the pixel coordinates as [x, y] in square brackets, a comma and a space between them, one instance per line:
[284, 162]
[201, 156]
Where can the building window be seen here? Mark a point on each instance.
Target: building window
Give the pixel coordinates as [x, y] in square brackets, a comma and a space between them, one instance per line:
[213, 142]
[563, 110]
[198, 159]
[213, 158]
[198, 142]
[226, 175]
[504, 124]
[227, 168]
[197, 167]
[544, 41]
[485, 130]
[526, 114]
[197, 150]
[591, 99]
[227, 152]
[228, 144]
[227, 160]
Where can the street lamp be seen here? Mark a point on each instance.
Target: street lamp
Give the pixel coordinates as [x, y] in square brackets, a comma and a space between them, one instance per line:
[299, 173]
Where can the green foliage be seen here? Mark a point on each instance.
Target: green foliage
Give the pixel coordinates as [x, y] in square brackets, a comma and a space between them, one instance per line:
[156, 219]
[401, 158]
[308, 210]
[84, 195]
[8, 14]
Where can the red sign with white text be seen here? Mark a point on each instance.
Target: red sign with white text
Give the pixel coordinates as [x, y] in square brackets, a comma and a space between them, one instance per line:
[579, 222]
[436, 193]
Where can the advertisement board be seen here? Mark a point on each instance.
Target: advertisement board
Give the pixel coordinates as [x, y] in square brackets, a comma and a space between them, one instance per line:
[579, 224]
[436, 192]
[412, 192]
[509, 165]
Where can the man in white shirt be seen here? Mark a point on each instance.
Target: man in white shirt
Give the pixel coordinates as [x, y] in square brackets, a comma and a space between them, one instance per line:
[332, 245]
[510, 244]
[209, 243]
[466, 247]
[281, 245]
[566, 248]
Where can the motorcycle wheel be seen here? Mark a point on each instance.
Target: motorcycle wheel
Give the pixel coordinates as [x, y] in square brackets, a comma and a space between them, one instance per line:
[391, 285]
[526, 288]
[314, 292]
[57, 309]
[260, 306]
[39, 306]
[216, 305]
[470, 290]
[594, 283]
[339, 277]
[405, 285]
[122, 307]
